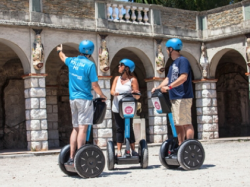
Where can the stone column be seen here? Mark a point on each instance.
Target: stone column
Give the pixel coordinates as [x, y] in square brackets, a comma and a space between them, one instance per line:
[103, 132]
[157, 130]
[35, 112]
[206, 108]
[52, 116]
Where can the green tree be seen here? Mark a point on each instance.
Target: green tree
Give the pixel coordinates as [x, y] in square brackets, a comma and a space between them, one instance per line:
[197, 5]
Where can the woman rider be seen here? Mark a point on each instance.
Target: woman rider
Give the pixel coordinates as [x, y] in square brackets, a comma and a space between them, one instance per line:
[126, 83]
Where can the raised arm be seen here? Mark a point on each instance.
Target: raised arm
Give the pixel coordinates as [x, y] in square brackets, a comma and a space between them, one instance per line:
[61, 54]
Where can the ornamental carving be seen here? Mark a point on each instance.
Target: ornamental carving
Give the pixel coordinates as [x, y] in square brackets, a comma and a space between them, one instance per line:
[204, 60]
[37, 51]
[160, 60]
[104, 57]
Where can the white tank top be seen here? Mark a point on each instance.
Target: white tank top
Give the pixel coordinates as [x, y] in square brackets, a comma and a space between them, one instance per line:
[125, 88]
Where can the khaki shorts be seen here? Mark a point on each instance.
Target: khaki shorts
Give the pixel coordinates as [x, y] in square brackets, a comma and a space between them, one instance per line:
[82, 112]
[181, 109]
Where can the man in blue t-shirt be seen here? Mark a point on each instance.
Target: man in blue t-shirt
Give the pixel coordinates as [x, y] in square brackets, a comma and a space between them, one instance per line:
[82, 76]
[179, 85]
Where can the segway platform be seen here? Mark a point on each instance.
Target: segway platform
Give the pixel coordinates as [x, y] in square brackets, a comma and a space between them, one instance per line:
[190, 155]
[89, 160]
[127, 109]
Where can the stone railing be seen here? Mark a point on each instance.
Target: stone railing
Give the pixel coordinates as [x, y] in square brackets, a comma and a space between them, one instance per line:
[128, 12]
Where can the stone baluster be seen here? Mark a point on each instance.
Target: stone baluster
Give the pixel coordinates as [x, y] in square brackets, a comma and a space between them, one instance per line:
[120, 12]
[133, 17]
[35, 112]
[139, 14]
[157, 131]
[102, 133]
[127, 16]
[108, 12]
[114, 15]
[206, 109]
[145, 10]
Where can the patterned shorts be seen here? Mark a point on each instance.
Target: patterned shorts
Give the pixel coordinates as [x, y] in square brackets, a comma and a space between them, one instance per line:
[82, 112]
[181, 109]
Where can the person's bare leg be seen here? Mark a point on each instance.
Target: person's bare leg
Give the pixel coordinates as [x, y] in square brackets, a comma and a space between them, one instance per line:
[189, 131]
[81, 138]
[73, 142]
[132, 146]
[119, 148]
[180, 133]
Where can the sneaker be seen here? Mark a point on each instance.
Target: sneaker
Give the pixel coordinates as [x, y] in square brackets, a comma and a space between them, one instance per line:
[70, 161]
[119, 154]
[134, 153]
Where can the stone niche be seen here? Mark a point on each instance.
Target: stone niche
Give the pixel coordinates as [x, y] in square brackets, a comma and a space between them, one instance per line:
[12, 107]
[233, 101]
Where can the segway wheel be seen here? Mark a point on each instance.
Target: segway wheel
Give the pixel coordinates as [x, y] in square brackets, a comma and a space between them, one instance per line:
[164, 153]
[143, 153]
[64, 157]
[191, 155]
[110, 155]
[89, 161]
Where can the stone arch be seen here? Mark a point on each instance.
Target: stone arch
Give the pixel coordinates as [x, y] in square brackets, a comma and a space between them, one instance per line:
[216, 58]
[232, 94]
[20, 53]
[193, 63]
[139, 53]
[140, 72]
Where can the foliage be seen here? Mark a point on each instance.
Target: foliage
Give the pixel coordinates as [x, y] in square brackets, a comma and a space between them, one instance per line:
[197, 5]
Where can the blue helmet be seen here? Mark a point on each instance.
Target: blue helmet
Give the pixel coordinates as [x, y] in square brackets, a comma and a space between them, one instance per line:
[128, 63]
[86, 47]
[175, 43]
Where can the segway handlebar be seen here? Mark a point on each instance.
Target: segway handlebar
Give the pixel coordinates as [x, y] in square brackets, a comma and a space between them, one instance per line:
[129, 94]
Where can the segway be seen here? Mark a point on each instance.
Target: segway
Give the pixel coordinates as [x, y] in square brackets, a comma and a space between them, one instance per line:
[127, 109]
[89, 160]
[190, 155]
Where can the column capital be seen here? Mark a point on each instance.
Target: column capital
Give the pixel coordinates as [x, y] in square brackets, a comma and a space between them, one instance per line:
[38, 75]
[105, 77]
[154, 79]
[205, 81]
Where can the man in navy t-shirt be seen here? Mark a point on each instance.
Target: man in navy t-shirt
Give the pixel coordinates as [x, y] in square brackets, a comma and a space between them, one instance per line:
[179, 85]
[82, 76]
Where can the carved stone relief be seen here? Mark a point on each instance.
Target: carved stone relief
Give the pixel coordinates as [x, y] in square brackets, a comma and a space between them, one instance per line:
[37, 51]
[104, 57]
[160, 60]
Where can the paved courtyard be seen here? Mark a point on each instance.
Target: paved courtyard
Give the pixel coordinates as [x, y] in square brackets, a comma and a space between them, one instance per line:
[226, 164]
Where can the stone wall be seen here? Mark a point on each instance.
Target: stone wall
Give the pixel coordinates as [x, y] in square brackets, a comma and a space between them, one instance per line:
[73, 8]
[178, 18]
[16, 5]
[206, 107]
[102, 133]
[52, 116]
[224, 17]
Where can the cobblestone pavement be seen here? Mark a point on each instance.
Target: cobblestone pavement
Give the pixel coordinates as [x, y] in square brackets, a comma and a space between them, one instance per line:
[226, 164]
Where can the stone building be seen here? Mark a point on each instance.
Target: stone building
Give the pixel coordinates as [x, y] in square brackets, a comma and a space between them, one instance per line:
[34, 105]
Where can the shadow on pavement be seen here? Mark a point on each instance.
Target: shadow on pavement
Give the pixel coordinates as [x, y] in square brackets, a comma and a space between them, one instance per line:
[138, 167]
[115, 172]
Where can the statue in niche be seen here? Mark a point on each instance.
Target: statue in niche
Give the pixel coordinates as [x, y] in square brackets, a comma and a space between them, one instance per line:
[37, 51]
[160, 60]
[104, 57]
[204, 60]
[248, 52]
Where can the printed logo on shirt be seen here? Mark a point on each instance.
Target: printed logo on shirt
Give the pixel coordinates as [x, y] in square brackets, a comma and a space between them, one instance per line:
[77, 65]
[77, 76]
[175, 72]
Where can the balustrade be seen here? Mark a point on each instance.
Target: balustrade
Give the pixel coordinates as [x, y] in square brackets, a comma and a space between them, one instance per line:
[135, 14]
